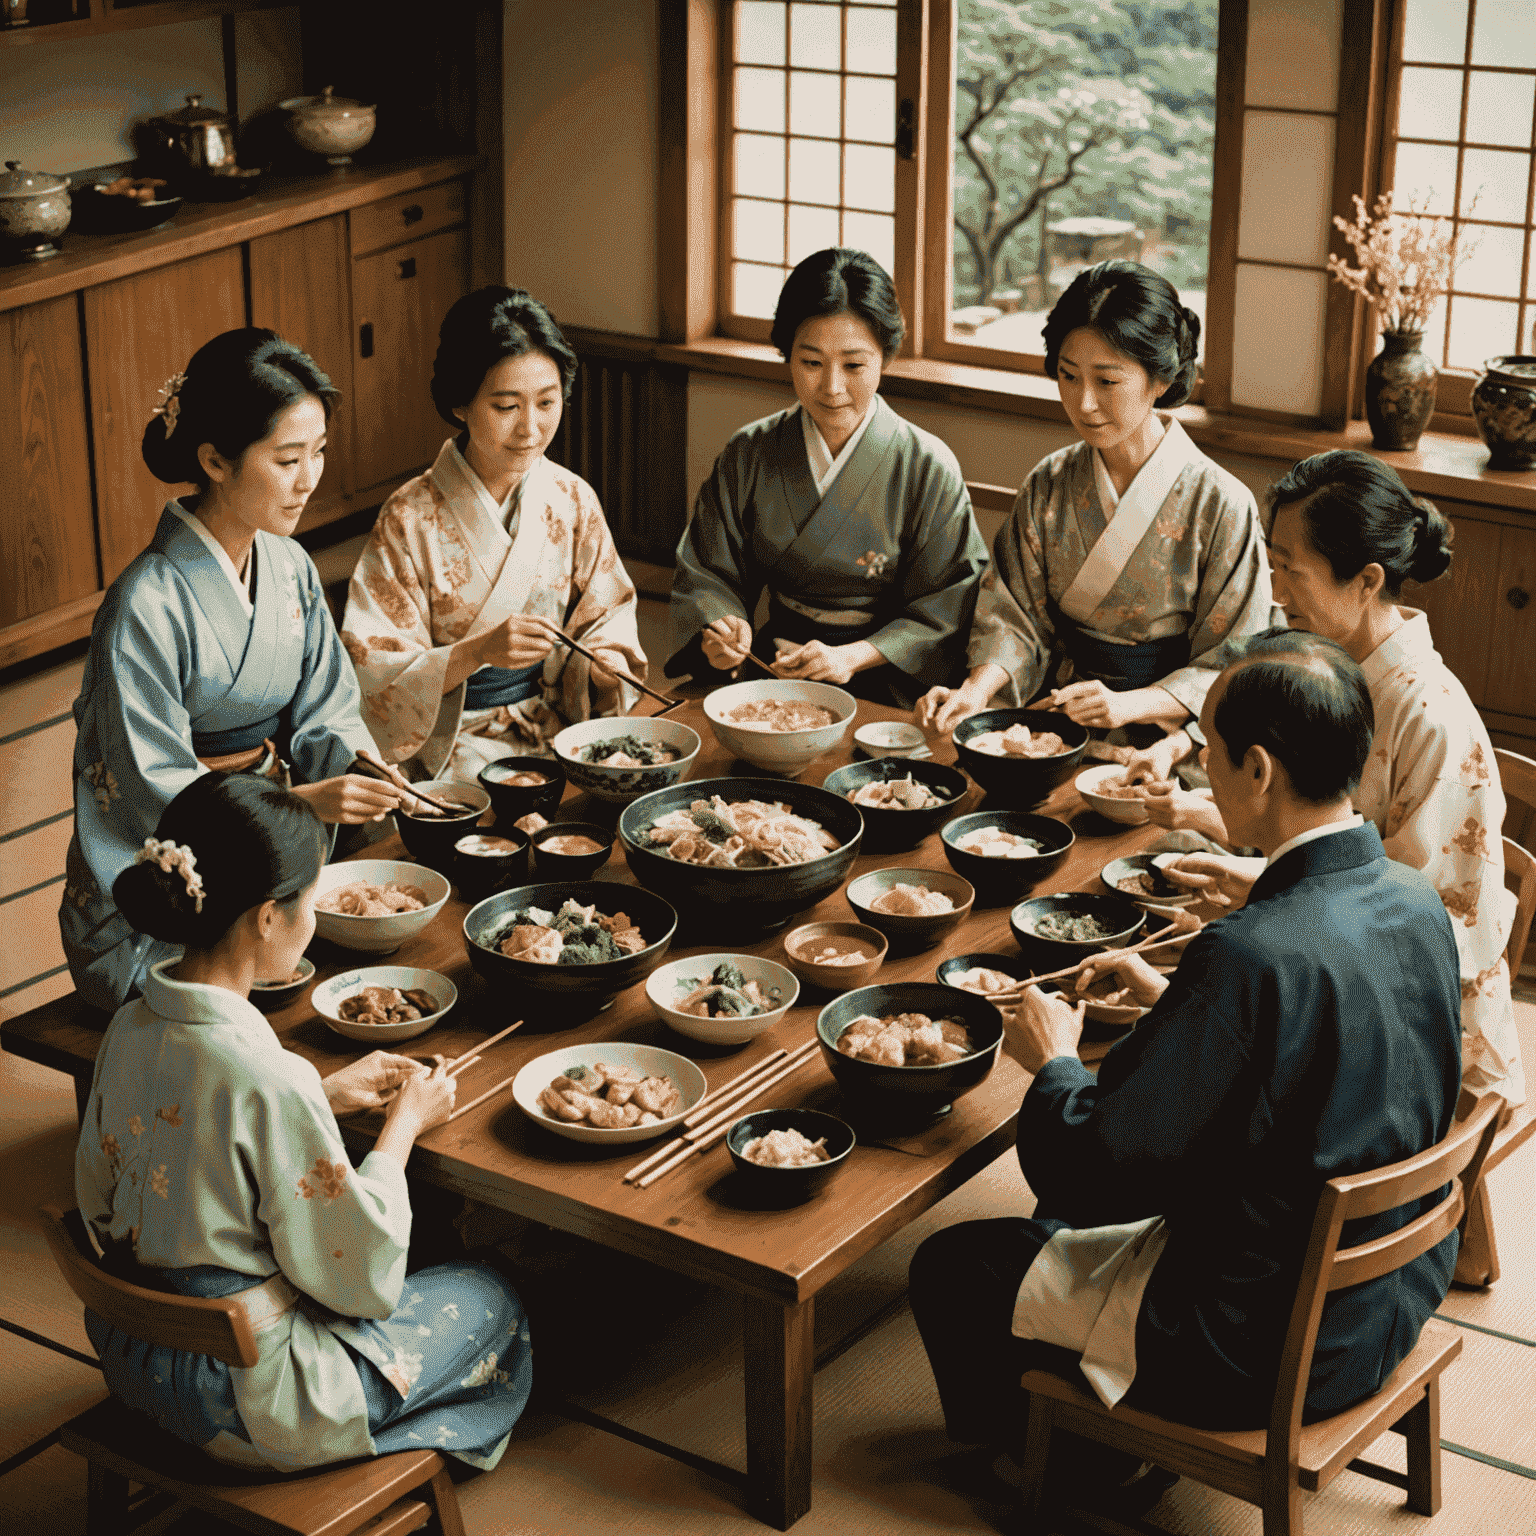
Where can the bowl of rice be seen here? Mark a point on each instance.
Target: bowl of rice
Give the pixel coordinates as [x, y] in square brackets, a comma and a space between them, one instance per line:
[1019, 755]
[780, 726]
[622, 758]
[375, 905]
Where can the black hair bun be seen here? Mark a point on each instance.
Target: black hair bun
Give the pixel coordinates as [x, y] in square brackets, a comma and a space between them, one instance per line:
[1192, 324]
[1431, 543]
[155, 901]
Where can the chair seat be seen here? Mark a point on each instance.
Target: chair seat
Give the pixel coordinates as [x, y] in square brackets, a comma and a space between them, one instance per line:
[330, 1501]
[1326, 1447]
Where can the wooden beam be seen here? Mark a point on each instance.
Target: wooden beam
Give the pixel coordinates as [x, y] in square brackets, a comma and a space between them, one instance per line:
[487, 187]
[688, 134]
[1226, 200]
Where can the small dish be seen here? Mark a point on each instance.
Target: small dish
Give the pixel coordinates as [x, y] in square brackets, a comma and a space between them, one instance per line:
[549, 865]
[1101, 1020]
[485, 861]
[909, 932]
[1129, 812]
[803, 946]
[1150, 865]
[270, 995]
[789, 1184]
[671, 982]
[329, 995]
[649, 1060]
[890, 738]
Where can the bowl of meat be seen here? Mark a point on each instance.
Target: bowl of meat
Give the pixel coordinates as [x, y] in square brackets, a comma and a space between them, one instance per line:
[375, 905]
[1109, 1008]
[1003, 852]
[741, 852]
[783, 1154]
[780, 726]
[1020, 755]
[571, 850]
[721, 999]
[518, 785]
[913, 908]
[1061, 929]
[1140, 876]
[577, 943]
[381, 1004]
[909, 1048]
[901, 801]
[1105, 788]
[608, 1093]
[620, 760]
[270, 995]
[428, 833]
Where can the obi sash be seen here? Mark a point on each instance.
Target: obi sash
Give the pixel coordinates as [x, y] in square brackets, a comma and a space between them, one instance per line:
[1124, 667]
[497, 687]
[240, 738]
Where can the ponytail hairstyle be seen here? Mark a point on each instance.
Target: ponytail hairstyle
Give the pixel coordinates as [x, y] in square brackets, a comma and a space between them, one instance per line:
[1357, 512]
[1137, 311]
[840, 281]
[252, 840]
[479, 331]
[232, 391]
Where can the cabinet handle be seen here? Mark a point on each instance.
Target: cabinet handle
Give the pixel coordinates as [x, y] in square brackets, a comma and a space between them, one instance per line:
[365, 338]
[1517, 598]
[413, 214]
[406, 268]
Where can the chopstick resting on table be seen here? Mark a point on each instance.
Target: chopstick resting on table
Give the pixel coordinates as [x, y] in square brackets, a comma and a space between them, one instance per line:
[377, 770]
[619, 672]
[477, 1051]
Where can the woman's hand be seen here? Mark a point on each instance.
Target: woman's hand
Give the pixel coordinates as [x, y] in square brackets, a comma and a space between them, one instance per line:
[1157, 761]
[349, 799]
[606, 672]
[1222, 879]
[1186, 810]
[1145, 984]
[369, 1083]
[518, 642]
[1043, 1027]
[1092, 704]
[818, 662]
[940, 710]
[424, 1098]
[726, 642]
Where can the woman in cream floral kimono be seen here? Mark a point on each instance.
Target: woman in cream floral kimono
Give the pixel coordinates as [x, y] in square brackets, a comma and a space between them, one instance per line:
[210, 1164]
[473, 569]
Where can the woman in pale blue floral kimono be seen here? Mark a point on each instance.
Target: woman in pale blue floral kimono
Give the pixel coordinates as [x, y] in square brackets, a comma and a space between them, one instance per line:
[214, 648]
[210, 1164]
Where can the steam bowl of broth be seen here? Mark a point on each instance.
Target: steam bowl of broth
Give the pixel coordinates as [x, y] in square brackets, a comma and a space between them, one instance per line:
[518, 785]
[429, 835]
[780, 726]
[571, 850]
[485, 861]
[837, 957]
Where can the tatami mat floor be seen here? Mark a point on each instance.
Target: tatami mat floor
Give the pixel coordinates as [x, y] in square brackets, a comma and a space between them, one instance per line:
[671, 1365]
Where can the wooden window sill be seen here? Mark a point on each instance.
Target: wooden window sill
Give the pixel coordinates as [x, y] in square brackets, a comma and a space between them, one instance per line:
[1445, 464]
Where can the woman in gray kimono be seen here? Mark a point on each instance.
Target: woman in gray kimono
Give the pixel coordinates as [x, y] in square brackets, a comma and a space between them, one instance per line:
[1130, 558]
[857, 524]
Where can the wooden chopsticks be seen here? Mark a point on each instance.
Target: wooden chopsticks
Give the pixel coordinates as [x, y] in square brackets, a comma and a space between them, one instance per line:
[377, 770]
[1158, 940]
[475, 1052]
[607, 666]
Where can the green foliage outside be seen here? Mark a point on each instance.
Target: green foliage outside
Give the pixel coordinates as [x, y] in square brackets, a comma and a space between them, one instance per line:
[1072, 108]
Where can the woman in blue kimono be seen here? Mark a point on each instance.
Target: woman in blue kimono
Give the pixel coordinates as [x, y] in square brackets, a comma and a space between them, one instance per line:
[210, 1164]
[857, 524]
[214, 649]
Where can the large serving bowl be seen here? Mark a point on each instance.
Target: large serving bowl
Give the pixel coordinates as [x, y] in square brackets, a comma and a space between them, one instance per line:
[787, 1185]
[671, 982]
[911, 933]
[890, 830]
[328, 997]
[910, 1092]
[803, 944]
[755, 899]
[1129, 810]
[1118, 913]
[582, 988]
[649, 1060]
[999, 880]
[431, 838]
[378, 935]
[787, 752]
[1020, 780]
[621, 785]
[510, 801]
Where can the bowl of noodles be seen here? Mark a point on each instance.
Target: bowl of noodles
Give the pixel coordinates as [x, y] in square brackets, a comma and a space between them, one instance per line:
[741, 851]
[780, 726]
[1020, 755]
[375, 905]
[617, 759]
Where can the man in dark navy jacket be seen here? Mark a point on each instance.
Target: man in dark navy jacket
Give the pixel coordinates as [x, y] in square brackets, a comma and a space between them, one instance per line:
[1313, 1033]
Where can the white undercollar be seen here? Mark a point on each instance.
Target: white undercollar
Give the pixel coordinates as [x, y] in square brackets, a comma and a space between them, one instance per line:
[200, 528]
[824, 468]
[1312, 834]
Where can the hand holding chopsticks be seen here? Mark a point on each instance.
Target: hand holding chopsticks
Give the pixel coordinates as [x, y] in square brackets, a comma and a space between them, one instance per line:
[372, 768]
[560, 637]
[1165, 938]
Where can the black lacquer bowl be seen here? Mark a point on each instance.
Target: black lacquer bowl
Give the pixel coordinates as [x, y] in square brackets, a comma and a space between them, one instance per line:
[1000, 879]
[588, 986]
[431, 837]
[1117, 913]
[890, 830]
[788, 1185]
[753, 899]
[1020, 780]
[511, 801]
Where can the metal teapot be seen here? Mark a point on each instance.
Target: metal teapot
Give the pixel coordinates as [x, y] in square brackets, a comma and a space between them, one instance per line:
[195, 139]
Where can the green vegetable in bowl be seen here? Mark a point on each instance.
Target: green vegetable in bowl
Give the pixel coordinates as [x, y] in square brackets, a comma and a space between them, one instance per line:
[727, 993]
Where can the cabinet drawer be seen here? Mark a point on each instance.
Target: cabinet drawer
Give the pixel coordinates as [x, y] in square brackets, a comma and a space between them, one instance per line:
[406, 217]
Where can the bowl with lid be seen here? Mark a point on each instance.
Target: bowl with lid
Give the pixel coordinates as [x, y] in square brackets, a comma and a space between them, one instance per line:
[330, 125]
[34, 213]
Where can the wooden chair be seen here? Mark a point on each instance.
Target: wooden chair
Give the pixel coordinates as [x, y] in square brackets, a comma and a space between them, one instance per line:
[1517, 774]
[1271, 1468]
[369, 1498]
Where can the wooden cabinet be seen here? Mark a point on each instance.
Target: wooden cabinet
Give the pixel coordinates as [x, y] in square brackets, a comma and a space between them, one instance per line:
[138, 332]
[1459, 603]
[1510, 616]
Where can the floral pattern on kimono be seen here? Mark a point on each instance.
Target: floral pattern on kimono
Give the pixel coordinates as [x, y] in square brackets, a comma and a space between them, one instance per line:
[1199, 570]
[439, 568]
[1430, 787]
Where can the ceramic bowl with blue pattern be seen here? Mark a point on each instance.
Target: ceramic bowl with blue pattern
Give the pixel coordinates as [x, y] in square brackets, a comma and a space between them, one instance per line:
[581, 748]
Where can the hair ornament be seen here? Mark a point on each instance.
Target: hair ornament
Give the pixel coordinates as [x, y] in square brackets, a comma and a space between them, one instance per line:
[170, 403]
[174, 858]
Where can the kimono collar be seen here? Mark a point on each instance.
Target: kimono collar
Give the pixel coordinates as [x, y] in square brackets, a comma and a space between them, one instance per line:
[1346, 849]
[189, 553]
[503, 512]
[824, 468]
[219, 553]
[1409, 644]
[190, 1002]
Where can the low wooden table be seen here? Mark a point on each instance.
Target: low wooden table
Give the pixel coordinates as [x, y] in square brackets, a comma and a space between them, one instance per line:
[694, 1221]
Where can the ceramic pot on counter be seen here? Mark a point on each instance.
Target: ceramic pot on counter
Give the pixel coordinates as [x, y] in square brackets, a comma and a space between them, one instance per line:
[34, 212]
[193, 142]
[1504, 405]
[330, 125]
[1399, 391]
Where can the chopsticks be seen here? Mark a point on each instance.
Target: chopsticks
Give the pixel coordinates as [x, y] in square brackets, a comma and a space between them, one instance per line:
[1158, 940]
[464, 1109]
[377, 770]
[475, 1052]
[581, 650]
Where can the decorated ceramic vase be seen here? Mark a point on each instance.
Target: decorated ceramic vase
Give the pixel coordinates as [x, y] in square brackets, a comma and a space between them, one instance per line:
[1399, 391]
[1504, 404]
[34, 212]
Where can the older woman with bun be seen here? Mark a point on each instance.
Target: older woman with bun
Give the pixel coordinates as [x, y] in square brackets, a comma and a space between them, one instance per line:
[1130, 558]
[215, 648]
[856, 524]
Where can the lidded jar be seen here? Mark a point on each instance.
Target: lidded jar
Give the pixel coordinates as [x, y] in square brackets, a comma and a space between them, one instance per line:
[195, 139]
[34, 212]
[330, 125]
[1504, 406]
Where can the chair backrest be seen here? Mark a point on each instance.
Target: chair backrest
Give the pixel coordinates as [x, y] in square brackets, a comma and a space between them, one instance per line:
[203, 1325]
[1520, 877]
[1457, 1161]
[1517, 775]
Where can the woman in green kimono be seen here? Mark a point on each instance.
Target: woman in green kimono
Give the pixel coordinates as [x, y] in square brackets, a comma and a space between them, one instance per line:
[856, 524]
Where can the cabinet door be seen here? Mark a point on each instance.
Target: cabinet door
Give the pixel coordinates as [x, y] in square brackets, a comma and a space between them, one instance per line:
[399, 298]
[1512, 620]
[138, 332]
[299, 288]
[47, 543]
[1458, 604]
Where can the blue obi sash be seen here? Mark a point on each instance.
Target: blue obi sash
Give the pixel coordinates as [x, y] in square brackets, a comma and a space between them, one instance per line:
[239, 739]
[1124, 667]
[496, 687]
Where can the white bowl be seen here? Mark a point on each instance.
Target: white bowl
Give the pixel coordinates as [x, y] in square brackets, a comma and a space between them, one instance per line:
[786, 752]
[329, 996]
[1130, 812]
[667, 983]
[891, 738]
[378, 935]
[649, 1060]
[621, 785]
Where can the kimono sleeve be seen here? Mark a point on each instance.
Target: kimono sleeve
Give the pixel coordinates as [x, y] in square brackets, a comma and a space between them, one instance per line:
[326, 728]
[339, 1233]
[1012, 627]
[602, 614]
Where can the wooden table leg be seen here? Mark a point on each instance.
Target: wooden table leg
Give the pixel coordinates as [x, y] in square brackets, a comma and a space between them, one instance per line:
[780, 1359]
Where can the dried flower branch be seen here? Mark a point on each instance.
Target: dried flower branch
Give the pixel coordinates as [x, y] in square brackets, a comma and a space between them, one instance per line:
[1407, 260]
